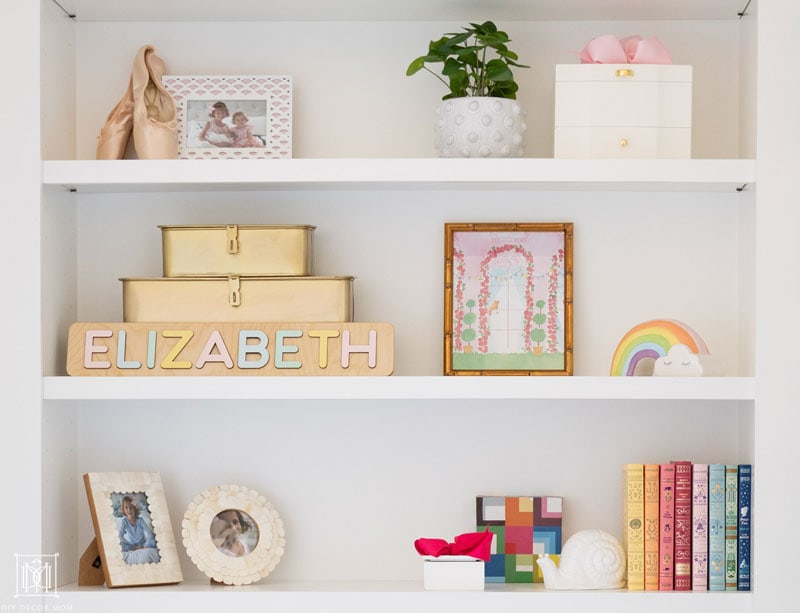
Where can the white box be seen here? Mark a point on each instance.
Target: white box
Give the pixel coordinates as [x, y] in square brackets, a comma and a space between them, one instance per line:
[623, 111]
[453, 573]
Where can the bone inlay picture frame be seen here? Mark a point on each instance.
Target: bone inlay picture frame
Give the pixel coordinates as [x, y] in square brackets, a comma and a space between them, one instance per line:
[233, 534]
[508, 299]
[133, 529]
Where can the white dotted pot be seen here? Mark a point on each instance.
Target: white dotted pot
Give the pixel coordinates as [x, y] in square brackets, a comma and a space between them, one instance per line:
[480, 127]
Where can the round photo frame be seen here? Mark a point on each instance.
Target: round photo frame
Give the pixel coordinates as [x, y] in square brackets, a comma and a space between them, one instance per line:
[233, 534]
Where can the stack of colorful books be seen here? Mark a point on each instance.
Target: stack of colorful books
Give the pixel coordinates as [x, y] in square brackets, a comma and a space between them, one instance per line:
[686, 526]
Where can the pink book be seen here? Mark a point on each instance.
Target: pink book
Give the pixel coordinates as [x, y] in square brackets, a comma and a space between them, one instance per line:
[682, 556]
[700, 527]
[666, 543]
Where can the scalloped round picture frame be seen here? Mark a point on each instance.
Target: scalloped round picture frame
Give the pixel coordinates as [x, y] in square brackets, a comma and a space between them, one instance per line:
[233, 534]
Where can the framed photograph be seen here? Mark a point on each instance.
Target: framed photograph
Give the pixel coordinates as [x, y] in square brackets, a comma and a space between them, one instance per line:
[132, 529]
[508, 299]
[232, 117]
[233, 534]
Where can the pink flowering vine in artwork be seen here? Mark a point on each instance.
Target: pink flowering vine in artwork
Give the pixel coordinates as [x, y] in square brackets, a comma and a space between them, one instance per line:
[556, 271]
[483, 295]
[458, 299]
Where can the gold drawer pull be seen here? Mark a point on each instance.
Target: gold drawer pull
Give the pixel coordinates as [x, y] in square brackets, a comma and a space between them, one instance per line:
[623, 142]
[232, 238]
[624, 72]
[234, 295]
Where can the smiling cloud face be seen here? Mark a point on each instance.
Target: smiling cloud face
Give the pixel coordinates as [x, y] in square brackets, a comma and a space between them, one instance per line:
[679, 362]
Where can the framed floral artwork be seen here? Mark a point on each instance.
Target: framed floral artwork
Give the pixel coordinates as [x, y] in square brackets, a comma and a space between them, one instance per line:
[132, 528]
[233, 534]
[232, 117]
[508, 299]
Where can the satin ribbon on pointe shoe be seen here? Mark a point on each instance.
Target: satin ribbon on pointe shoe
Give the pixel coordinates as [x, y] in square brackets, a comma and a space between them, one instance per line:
[475, 544]
[609, 49]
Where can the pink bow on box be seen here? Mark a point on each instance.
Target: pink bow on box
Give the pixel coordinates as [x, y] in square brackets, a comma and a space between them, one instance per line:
[609, 49]
[475, 544]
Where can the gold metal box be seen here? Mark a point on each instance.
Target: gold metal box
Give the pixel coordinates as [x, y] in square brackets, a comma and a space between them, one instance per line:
[238, 299]
[264, 250]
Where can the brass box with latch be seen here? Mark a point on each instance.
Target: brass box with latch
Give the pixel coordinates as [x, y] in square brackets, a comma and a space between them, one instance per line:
[238, 299]
[217, 250]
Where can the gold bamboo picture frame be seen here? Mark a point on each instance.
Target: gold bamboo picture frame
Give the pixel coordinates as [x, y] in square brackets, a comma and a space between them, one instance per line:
[508, 299]
[132, 528]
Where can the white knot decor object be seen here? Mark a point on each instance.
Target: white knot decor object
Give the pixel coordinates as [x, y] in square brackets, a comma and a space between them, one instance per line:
[480, 127]
[590, 560]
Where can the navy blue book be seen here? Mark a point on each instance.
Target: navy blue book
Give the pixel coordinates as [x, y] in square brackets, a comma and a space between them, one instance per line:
[744, 523]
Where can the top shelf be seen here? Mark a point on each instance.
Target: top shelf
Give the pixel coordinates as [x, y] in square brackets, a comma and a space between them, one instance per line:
[415, 173]
[402, 10]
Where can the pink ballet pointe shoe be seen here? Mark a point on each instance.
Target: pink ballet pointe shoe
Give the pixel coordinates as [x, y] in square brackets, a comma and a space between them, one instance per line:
[114, 135]
[155, 126]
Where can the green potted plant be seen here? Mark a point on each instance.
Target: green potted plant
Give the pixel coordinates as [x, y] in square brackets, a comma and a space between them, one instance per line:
[479, 116]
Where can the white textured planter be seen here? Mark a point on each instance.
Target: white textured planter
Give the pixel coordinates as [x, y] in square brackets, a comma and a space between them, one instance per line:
[480, 127]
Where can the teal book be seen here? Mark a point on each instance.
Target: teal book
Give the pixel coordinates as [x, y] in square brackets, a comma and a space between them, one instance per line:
[731, 524]
[716, 527]
[745, 520]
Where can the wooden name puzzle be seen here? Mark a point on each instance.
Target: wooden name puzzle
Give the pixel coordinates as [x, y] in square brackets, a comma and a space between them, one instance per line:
[261, 349]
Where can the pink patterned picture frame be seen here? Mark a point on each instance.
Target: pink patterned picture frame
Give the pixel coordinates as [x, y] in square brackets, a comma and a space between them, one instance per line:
[232, 117]
[508, 299]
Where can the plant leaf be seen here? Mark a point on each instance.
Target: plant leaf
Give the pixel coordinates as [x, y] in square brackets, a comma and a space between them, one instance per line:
[497, 70]
[458, 83]
[415, 66]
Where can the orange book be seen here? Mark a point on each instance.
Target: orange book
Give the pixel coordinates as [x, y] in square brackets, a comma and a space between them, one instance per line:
[651, 526]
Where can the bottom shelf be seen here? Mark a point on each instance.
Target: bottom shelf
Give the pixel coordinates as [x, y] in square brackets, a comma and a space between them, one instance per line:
[387, 597]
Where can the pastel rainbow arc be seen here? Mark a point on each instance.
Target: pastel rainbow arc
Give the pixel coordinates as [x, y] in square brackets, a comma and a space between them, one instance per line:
[653, 339]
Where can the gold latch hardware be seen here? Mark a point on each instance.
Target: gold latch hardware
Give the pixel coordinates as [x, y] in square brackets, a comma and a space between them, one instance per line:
[234, 295]
[232, 237]
[624, 72]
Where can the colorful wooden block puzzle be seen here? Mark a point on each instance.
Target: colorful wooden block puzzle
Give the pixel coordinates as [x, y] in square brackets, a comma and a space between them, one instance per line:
[524, 528]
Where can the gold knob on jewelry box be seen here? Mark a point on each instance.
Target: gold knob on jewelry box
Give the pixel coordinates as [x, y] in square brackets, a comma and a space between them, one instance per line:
[624, 72]
[623, 142]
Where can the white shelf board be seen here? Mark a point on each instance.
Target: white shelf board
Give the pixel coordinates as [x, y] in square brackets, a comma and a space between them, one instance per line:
[398, 388]
[402, 10]
[397, 597]
[398, 173]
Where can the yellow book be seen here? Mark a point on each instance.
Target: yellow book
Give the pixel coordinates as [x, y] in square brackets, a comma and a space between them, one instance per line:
[633, 523]
[651, 526]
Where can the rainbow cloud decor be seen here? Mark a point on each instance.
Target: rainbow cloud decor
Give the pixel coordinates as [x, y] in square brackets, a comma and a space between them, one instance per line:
[643, 344]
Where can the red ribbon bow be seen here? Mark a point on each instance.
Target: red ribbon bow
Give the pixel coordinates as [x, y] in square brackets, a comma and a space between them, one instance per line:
[475, 544]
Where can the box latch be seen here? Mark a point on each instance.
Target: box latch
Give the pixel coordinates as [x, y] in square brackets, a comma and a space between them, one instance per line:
[232, 238]
[624, 72]
[234, 295]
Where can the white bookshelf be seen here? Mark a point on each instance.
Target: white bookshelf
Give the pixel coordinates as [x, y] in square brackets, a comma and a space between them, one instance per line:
[373, 459]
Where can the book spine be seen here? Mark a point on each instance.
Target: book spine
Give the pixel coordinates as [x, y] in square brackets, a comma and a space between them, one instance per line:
[666, 542]
[731, 524]
[633, 524]
[716, 527]
[700, 527]
[682, 555]
[651, 523]
[745, 518]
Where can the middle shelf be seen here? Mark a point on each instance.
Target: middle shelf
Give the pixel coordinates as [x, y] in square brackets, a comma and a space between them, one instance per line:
[398, 388]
